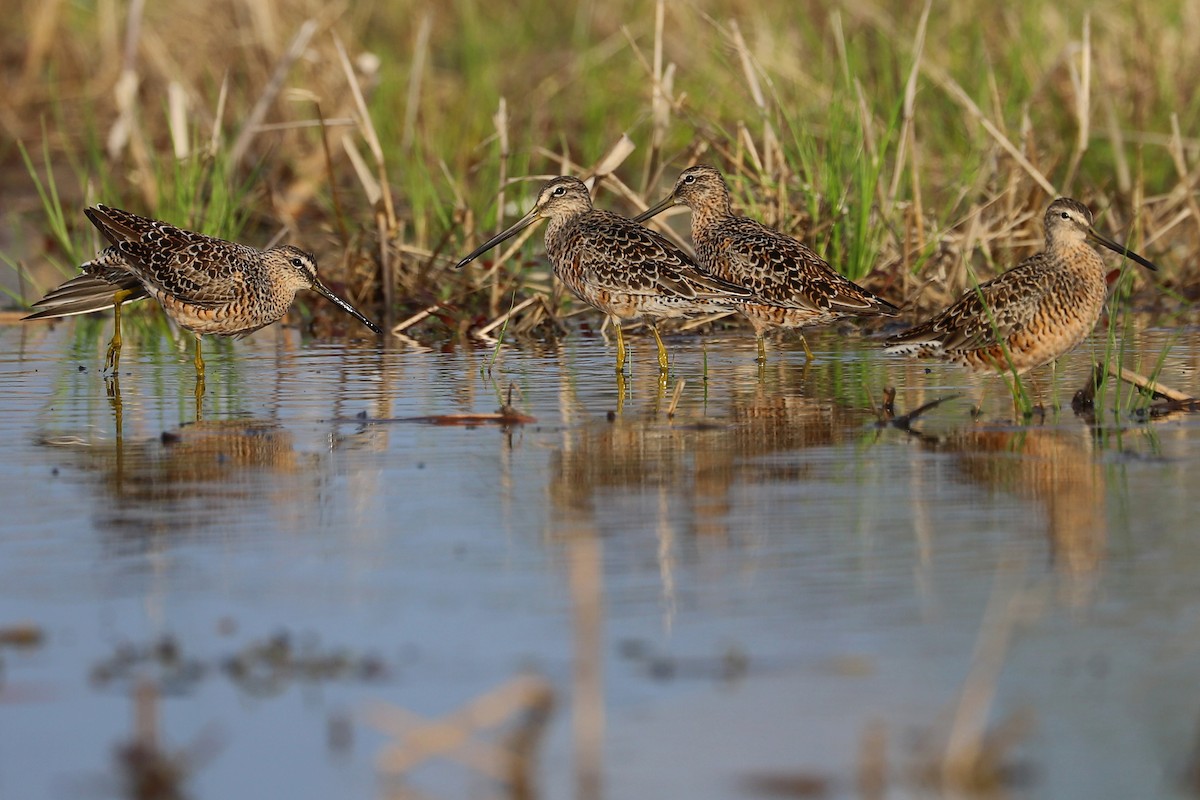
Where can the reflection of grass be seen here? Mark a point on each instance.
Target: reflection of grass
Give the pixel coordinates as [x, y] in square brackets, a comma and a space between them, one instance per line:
[1119, 332]
[872, 147]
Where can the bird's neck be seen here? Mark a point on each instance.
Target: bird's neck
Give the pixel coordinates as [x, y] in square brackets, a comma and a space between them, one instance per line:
[559, 229]
[705, 219]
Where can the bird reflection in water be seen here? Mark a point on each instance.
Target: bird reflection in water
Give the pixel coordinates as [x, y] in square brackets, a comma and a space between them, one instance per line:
[200, 476]
[678, 477]
[696, 458]
[1055, 469]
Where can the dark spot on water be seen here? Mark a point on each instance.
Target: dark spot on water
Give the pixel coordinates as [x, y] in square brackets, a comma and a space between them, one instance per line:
[633, 649]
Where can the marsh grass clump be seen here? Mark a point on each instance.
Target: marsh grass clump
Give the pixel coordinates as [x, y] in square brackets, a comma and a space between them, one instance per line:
[907, 148]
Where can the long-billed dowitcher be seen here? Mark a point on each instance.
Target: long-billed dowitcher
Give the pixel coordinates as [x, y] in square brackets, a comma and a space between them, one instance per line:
[792, 286]
[207, 285]
[615, 265]
[1033, 313]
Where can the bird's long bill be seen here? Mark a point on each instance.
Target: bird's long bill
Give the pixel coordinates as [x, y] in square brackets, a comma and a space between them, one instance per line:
[320, 289]
[1120, 248]
[511, 231]
[655, 210]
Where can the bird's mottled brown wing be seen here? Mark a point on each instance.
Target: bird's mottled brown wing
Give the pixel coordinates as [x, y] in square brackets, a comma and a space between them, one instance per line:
[201, 270]
[617, 254]
[993, 312]
[784, 272]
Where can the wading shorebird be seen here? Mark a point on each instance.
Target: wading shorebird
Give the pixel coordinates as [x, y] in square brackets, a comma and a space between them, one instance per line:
[1030, 315]
[617, 266]
[207, 285]
[793, 287]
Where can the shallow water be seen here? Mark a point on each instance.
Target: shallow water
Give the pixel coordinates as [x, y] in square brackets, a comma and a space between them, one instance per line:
[777, 575]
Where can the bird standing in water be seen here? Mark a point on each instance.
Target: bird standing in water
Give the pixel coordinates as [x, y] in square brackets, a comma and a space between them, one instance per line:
[617, 266]
[792, 286]
[207, 285]
[1030, 315]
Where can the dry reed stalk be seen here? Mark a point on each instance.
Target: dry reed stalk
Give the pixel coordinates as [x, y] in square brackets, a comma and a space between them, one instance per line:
[941, 78]
[506, 316]
[908, 138]
[270, 92]
[699, 322]
[214, 139]
[1186, 179]
[772, 152]
[334, 195]
[675, 395]
[376, 186]
[263, 20]
[177, 120]
[1081, 84]
[424, 313]
[1141, 382]
[124, 131]
[416, 75]
[660, 111]
[960, 96]
[500, 122]
[367, 128]
[1117, 138]
[839, 43]
[108, 31]
[370, 186]
[613, 158]
[43, 32]
[747, 148]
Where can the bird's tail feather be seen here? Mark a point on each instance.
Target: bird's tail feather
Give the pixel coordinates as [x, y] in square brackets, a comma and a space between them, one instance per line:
[84, 294]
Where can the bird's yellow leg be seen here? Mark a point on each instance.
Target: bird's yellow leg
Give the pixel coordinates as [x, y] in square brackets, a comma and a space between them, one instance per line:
[662, 350]
[762, 349]
[980, 388]
[808, 356]
[199, 359]
[621, 389]
[112, 358]
[200, 387]
[620, 345]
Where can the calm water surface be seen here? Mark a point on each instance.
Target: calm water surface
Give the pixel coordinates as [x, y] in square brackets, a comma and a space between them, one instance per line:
[777, 575]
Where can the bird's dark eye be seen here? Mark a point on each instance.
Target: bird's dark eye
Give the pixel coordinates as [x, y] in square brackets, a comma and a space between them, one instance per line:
[297, 263]
[689, 178]
[1065, 215]
[559, 191]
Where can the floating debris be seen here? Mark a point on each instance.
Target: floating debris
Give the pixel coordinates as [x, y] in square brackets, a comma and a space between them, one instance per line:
[269, 666]
[1173, 400]
[266, 666]
[25, 635]
[731, 665]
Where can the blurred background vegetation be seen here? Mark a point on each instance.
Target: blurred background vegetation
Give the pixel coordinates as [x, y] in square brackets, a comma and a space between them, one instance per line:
[911, 147]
